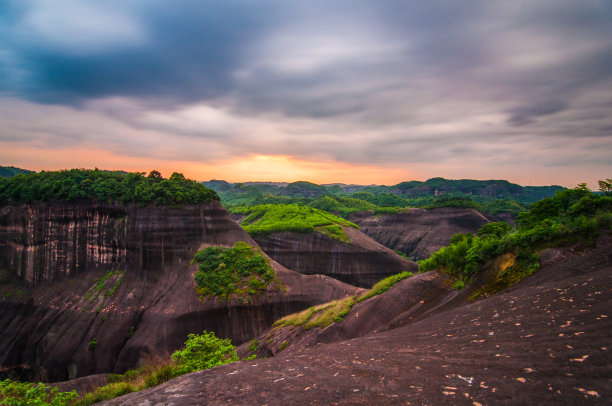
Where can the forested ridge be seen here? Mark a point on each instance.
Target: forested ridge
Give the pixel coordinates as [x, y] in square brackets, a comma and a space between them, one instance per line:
[104, 186]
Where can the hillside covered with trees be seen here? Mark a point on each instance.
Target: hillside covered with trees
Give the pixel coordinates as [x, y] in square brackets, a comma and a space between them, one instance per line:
[491, 196]
[104, 186]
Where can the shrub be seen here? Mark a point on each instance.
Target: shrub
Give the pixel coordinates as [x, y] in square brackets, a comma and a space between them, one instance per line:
[204, 351]
[240, 270]
[106, 392]
[459, 284]
[26, 393]
[164, 374]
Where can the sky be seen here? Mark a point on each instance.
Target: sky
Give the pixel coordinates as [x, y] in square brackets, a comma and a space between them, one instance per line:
[370, 91]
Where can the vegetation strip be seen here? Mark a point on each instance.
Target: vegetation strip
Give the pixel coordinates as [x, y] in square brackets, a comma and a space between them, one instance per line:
[569, 216]
[104, 186]
[325, 314]
[276, 218]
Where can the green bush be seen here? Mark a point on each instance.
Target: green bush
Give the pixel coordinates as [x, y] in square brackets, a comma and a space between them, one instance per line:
[15, 393]
[204, 351]
[240, 270]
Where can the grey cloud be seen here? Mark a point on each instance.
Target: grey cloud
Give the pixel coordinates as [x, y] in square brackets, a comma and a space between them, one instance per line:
[366, 82]
[528, 114]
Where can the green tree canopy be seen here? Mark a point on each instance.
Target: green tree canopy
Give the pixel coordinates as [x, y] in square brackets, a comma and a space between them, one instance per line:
[104, 186]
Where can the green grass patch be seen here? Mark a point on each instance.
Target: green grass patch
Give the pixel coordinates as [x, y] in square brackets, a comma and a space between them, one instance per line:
[319, 316]
[334, 231]
[112, 290]
[459, 284]
[241, 270]
[276, 218]
[325, 314]
[100, 285]
[384, 285]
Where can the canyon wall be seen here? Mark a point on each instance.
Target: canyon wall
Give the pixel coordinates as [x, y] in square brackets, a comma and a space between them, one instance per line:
[360, 262]
[91, 288]
[419, 232]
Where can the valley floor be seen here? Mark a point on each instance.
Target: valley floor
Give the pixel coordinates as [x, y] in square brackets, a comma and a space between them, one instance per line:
[545, 341]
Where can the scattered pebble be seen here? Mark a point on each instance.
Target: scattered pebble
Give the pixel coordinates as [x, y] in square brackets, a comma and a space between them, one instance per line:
[579, 359]
[588, 392]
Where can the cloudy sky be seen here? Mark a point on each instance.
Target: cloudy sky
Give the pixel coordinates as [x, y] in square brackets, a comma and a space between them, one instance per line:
[327, 91]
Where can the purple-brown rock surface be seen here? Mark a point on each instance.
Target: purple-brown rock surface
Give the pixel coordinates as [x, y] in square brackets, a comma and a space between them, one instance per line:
[89, 288]
[360, 262]
[418, 233]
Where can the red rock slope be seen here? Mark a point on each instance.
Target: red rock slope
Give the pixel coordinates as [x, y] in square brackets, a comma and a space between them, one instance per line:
[544, 341]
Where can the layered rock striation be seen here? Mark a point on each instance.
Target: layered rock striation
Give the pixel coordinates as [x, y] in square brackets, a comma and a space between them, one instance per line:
[419, 232]
[90, 288]
[361, 261]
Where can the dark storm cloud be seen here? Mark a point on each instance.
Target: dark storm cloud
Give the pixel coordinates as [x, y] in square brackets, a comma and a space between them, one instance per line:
[184, 51]
[363, 82]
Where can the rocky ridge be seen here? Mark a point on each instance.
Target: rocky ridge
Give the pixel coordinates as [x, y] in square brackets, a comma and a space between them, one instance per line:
[419, 232]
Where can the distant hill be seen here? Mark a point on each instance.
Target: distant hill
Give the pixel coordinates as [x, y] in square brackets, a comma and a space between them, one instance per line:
[10, 171]
[492, 196]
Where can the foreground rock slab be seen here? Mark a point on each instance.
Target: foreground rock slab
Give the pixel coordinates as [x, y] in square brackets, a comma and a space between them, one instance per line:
[546, 341]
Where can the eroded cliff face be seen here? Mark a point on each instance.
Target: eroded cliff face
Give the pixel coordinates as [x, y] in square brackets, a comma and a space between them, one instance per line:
[64, 314]
[362, 262]
[418, 232]
[44, 241]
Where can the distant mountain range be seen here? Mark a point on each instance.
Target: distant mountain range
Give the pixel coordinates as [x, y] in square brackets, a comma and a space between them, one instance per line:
[479, 190]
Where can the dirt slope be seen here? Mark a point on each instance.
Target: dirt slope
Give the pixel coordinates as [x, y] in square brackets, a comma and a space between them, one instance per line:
[544, 341]
[419, 232]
